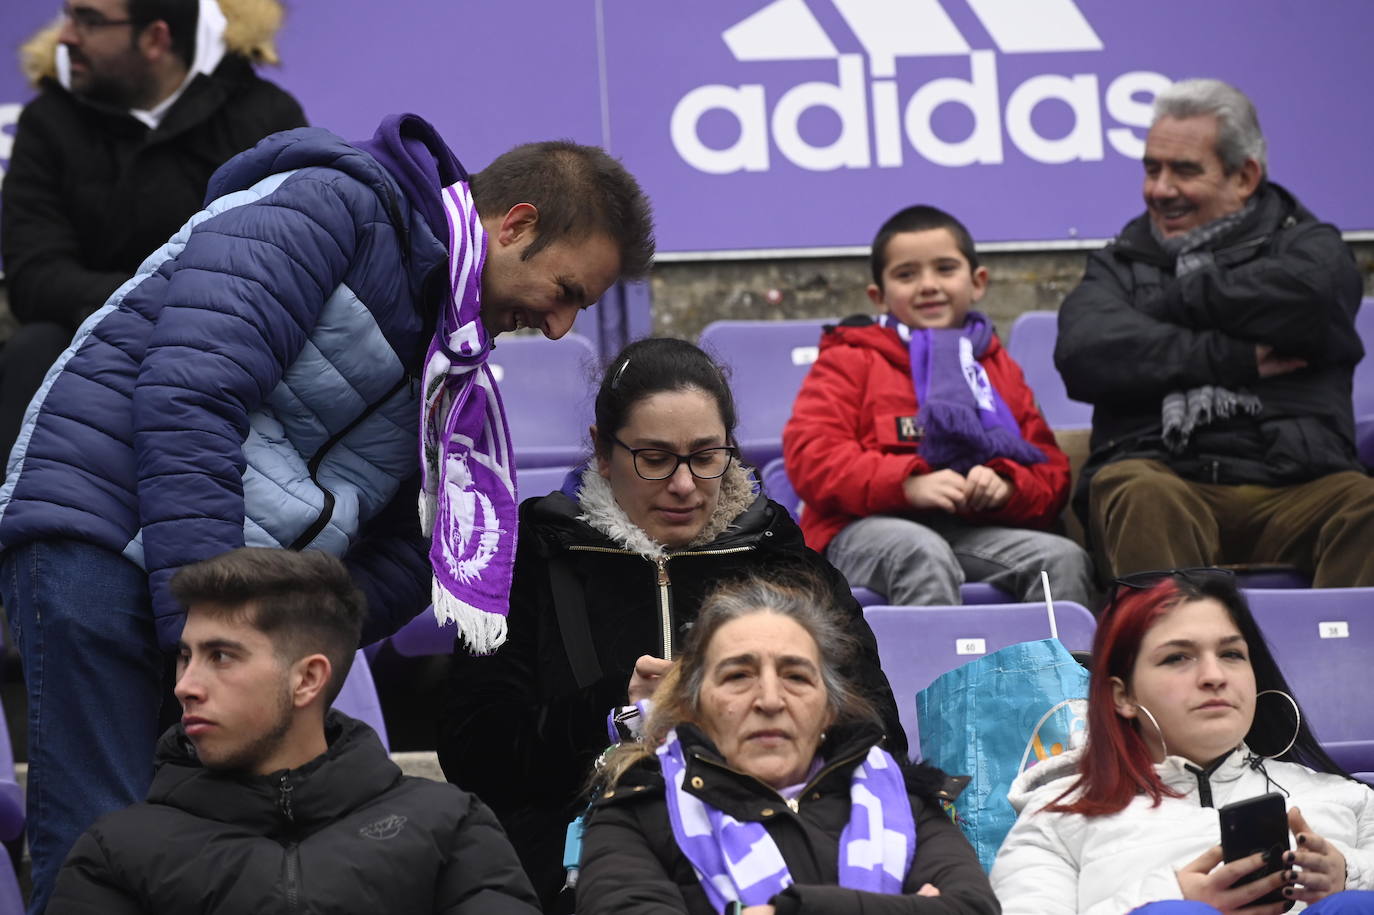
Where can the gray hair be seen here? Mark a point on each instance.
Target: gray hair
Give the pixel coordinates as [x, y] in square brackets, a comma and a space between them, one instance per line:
[798, 594]
[807, 602]
[1238, 130]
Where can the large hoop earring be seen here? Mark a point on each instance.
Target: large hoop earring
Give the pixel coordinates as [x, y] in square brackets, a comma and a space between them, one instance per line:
[1297, 728]
[1160, 731]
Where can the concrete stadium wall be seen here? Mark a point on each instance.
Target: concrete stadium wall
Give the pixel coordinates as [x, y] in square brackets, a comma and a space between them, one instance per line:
[690, 295]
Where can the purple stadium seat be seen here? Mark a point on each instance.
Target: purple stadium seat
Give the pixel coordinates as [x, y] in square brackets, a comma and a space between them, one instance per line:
[767, 361]
[548, 391]
[11, 897]
[539, 481]
[1032, 346]
[1363, 389]
[1366, 777]
[11, 800]
[358, 698]
[1323, 640]
[917, 644]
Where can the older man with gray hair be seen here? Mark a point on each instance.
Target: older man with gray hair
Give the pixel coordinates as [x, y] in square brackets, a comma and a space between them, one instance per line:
[1215, 338]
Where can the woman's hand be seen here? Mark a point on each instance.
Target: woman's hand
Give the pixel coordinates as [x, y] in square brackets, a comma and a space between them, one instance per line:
[648, 671]
[759, 910]
[1204, 881]
[1323, 865]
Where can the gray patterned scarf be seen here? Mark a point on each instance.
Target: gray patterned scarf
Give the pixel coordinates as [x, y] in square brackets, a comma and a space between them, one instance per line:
[1184, 411]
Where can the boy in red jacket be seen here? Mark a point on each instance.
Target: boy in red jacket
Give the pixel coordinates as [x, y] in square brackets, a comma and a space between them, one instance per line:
[917, 447]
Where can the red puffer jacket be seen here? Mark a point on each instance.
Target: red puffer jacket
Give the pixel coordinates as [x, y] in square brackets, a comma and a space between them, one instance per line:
[851, 440]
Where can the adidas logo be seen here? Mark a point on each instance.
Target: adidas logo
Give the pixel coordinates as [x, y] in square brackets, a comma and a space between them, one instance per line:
[882, 122]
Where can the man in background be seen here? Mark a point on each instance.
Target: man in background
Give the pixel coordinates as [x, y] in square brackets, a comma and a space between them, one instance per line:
[1216, 339]
[139, 102]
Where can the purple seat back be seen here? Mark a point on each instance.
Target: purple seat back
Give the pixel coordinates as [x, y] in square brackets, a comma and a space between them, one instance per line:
[1032, 346]
[358, 698]
[11, 897]
[1323, 641]
[767, 361]
[1363, 389]
[548, 388]
[11, 800]
[917, 644]
[539, 481]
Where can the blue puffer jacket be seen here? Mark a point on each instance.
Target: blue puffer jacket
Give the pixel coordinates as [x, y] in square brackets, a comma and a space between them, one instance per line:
[254, 383]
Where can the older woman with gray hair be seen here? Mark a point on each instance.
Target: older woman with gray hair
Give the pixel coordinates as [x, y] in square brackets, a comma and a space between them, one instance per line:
[759, 785]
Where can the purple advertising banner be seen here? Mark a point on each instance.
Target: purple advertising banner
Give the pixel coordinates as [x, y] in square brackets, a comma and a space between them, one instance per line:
[796, 124]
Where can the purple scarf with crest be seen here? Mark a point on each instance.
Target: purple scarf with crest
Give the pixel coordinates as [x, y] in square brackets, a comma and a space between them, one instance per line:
[964, 421]
[467, 495]
[737, 860]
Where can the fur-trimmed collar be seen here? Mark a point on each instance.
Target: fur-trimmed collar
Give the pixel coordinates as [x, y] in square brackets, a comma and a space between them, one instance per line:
[601, 511]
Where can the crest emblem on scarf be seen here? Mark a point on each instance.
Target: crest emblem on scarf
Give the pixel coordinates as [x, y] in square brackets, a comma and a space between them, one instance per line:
[473, 526]
[977, 379]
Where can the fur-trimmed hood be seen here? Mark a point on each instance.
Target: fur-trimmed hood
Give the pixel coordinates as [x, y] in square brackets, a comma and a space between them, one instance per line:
[251, 32]
[738, 491]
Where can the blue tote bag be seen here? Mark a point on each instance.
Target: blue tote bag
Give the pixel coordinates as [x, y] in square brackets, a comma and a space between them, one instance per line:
[992, 716]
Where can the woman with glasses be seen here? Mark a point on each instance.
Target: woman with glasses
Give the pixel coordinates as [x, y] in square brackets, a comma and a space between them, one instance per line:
[1187, 712]
[609, 575]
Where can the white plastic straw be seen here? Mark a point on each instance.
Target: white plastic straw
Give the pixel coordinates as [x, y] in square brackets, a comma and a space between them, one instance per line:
[1049, 603]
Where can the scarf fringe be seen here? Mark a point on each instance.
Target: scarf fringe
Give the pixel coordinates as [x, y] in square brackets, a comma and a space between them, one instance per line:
[481, 632]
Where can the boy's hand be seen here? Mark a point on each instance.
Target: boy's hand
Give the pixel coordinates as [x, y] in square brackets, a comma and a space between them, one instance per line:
[985, 490]
[939, 490]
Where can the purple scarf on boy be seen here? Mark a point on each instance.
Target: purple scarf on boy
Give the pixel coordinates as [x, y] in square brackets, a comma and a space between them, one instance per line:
[467, 496]
[964, 421]
[737, 860]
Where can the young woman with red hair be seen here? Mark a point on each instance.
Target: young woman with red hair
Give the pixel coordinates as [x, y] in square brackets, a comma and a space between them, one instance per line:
[1187, 712]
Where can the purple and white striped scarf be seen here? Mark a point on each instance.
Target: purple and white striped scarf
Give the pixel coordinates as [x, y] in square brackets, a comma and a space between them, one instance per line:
[964, 420]
[740, 861]
[467, 496]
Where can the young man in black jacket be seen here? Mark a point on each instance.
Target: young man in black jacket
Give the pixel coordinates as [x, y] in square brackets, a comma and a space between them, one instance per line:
[1215, 338]
[264, 803]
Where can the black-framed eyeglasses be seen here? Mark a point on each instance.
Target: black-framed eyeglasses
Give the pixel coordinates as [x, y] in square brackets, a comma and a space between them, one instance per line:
[657, 464]
[86, 20]
[1140, 581]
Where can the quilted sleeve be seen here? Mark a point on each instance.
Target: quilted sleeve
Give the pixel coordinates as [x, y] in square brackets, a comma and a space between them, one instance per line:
[240, 302]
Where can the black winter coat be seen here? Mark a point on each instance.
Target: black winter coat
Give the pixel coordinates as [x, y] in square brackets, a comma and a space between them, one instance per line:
[345, 833]
[92, 191]
[519, 728]
[1132, 332]
[631, 862]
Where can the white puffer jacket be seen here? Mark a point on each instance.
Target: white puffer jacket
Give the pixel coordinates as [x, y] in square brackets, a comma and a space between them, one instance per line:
[1062, 864]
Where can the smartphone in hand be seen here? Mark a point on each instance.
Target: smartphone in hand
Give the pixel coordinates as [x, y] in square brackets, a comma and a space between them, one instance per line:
[1258, 824]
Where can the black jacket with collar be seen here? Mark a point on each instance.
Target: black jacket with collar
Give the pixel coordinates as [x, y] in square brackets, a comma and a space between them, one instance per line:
[1133, 331]
[347, 832]
[91, 190]
[631, 862]
[522, 732]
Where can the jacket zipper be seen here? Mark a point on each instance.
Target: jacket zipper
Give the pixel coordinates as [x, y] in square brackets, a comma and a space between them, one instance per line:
[327, 510]
[293, 873]
[292, 876]
[665, 599]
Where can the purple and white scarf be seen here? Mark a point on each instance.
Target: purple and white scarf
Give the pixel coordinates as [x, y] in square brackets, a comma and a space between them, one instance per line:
[467, 496]
[740, 861]
[964, 421]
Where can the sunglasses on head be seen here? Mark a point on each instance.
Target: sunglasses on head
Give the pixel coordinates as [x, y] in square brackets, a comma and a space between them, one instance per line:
[1141, 581]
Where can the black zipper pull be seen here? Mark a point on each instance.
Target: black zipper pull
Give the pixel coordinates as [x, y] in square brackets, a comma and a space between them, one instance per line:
[284, 799]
